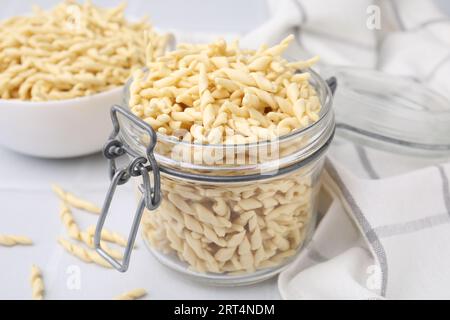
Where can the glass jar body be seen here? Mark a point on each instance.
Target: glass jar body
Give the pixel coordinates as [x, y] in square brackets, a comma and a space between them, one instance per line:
[234, 233]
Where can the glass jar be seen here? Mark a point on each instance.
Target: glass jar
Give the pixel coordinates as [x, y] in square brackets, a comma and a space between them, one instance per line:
[226, 214]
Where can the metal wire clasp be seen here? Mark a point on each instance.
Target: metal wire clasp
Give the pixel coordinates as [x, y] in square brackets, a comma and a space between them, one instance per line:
[139, 167]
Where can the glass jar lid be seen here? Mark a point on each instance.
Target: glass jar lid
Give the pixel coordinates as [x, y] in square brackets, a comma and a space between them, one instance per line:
[390, 112]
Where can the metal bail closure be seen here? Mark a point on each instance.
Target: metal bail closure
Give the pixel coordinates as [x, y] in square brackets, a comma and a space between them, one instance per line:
[139, 167]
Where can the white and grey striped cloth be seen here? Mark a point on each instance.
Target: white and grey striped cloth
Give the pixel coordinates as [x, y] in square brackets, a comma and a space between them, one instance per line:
[386, 231]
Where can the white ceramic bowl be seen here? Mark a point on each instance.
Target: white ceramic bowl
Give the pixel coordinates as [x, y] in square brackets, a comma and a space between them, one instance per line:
[58, 129]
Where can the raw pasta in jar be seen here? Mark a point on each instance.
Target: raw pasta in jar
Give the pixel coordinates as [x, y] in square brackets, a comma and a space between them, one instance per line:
[241, 142]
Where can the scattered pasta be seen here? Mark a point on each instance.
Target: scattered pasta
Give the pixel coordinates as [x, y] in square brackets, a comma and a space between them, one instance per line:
[37, 284]
[88, 256]
[88, 240]
[74, 201]
[11, 241]
[132, 295]
[86, 237]
[71, 51]
[222, 94]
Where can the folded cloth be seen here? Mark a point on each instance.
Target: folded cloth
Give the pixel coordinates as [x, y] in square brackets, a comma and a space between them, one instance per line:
[380, 238]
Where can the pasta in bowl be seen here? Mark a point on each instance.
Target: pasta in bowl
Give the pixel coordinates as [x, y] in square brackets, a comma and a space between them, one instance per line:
[62, 69]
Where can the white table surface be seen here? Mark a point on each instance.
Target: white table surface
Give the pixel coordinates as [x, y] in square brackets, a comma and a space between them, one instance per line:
[28, 207]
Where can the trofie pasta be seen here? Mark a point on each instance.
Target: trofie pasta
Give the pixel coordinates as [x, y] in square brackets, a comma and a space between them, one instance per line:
[11, 241]
[132, 295]
[37, 284]
[88, 256]
[69, 222]
[219, 93]
[108, 236]
[71, 51]
[88, 240]
[86, 237]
